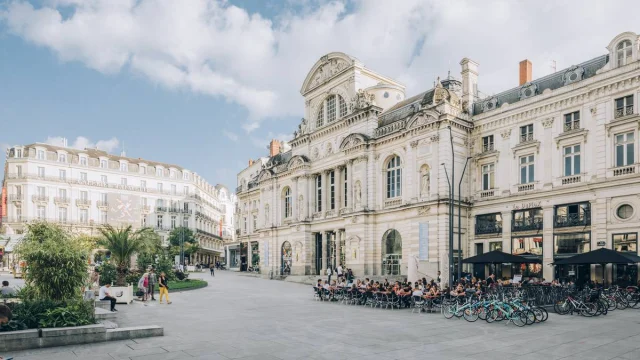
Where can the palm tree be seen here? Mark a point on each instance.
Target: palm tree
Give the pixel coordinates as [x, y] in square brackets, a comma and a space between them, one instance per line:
[124, 243]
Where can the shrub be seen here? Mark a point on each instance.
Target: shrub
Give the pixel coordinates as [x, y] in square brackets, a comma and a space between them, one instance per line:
[33, 314]
[133, 276]
[78, 313]
[180, 275]
[56, 262]
[107, 273]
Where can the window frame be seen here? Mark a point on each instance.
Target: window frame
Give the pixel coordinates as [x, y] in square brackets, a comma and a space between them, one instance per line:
[575, 159]
[571, 121]
[488, 143]
[586, 244]
[613, 243]
[393, 178]
[287, 203]
[625, 148]
[491, 176]
[526, 133]
[623, 106]
[319, 193]
[624, 46]
[529, 168]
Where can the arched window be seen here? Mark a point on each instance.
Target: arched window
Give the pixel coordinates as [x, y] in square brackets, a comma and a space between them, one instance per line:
[392, 252]
[623, 52]
[394, 178]
[286, 258]
[287, 203]
[332, 108]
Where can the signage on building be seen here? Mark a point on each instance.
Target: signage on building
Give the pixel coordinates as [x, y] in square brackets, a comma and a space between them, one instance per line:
[601, 243]
[529, 205]
[423, 241]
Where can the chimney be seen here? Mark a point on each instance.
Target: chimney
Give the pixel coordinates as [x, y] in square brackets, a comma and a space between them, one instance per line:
[250, 162]
[469, 82]
[525, 71]
[274, 147]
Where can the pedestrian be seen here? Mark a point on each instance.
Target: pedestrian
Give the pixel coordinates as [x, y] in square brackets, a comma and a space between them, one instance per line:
[212, 269]
[164, 289]
[7, 290]
[339, 271]
[153, 280]
[329, 272]
[143, 283]
[106, 295]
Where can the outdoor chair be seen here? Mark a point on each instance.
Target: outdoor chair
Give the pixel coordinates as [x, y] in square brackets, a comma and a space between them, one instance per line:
[316, 294]
[418, 303]
[393, 300]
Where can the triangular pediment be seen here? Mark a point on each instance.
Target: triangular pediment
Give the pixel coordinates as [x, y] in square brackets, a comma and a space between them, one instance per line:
[325, 69]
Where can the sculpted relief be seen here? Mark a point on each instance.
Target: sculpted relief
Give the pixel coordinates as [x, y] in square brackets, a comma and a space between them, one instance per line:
[362, 100]
[357, 190]
[424, 181]
[328, 70]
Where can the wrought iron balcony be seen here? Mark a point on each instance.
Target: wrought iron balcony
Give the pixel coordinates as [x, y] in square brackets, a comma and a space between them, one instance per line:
[526, 137]
[83, 202]
[174, 210]
[161, 209]
[102, 204]
[484, 228]
[570, 126]
[624, 111]
[527, 225]
[16, 197]
[61, 200]
[572, 220]
[40, 198]
[488, 147]
[186, 211]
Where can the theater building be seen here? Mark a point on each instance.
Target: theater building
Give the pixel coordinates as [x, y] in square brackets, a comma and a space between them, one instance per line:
[365, 181]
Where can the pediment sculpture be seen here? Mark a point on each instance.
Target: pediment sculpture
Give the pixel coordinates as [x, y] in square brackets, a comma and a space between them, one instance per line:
[328, 70]
[362, 100]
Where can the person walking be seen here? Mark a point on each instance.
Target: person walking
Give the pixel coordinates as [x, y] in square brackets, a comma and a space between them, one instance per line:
[339, 270]
[329, 272]
[106, 295]
[143, 283]
[153, 280]
[212, 269]
[164, 289]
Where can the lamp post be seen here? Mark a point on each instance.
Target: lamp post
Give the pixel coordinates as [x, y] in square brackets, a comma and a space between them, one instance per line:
[459, 212]
[450, 228]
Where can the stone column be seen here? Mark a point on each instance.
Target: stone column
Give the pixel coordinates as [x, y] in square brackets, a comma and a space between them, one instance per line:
[547, 243]
[323, 269]
[338, 183]
[294, 199]
[507, 244]
[311, 181]
[350, 199]
[338, 249]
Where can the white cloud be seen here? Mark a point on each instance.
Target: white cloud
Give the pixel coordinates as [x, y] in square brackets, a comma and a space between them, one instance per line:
[230, 135]
[82, 142]
[214, 48]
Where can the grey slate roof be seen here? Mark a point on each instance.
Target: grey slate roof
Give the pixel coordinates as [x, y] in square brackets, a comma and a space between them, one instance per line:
[403, 108]
[553, 81]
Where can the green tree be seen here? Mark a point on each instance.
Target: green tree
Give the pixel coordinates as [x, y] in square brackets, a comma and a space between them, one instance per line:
[191, 245]
[56, 262]
[124, 243]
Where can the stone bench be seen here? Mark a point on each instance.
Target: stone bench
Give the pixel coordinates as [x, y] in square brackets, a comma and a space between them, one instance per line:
[103, 304]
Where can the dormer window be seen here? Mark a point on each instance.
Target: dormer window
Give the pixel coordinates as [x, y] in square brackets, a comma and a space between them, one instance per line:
[173, 174]
[123, 166]
[103, 164]
[18, 153]
[83, 161]
[62, 158]
[143, 169]
[623, 52]
[332, 108]
[40, 154]
[185, 176]
[158, 171]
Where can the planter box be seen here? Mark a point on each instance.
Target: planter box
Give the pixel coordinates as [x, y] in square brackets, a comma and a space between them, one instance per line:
[123, 294]
[19, 340]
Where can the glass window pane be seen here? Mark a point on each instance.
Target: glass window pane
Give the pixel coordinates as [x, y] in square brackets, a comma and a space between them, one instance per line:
[630, 136]
[485, 181]
[523, 175]
[531, 173]
[576, 164]
[619, 155]
[576, 148]
[567, 166]
[619, 139]
[567, 150]
[630, 154]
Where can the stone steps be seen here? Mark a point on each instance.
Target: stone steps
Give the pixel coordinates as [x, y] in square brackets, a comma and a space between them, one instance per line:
[103, 314]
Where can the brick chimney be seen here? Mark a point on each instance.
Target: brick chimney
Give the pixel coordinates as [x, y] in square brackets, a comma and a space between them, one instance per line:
[250, 162]
[526, 69]
[274, 147]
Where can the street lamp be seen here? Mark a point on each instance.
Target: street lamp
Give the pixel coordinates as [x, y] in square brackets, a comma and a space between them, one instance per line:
[459, 212]
[450, 227]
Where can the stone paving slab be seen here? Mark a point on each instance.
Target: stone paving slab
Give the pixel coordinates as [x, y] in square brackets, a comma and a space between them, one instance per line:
[239, 317]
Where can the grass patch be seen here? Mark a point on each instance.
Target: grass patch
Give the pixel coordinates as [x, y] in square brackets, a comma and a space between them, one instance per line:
[187, 284]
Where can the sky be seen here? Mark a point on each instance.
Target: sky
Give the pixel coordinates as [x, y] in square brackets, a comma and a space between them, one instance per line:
[206, 84]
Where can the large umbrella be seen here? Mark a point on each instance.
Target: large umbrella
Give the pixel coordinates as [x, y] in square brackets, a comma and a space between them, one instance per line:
[601, 256]
[498, 257]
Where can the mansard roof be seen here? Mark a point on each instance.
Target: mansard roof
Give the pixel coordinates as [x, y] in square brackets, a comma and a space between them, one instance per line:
[553, 81]
[278, 159]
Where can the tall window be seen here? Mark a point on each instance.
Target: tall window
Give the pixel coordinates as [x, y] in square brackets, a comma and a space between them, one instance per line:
[245, 224]
[287, 203]
[40, 171]
[123, 167]
[623, 52]
[62, 214]
[143, 169]
[40, 154]
[19, 170]
[159, 187]
[103, 164]
[103, 179]
[84, 196]
[625, 151]
[158, 171]
[62, 193]
[18, 153]
[63, 174]
[318, 193]
[346, 188]
[83, 176]
[159, 222]
[83, 161]
[332, 190]
[255, 222]
[103, 217]
[18, 213]
[143, 185]
[526, 133]
[185, 221]
[488, 176]
[84, 216]
[62, 158]
[123, 181]
[103, 198]
[332, 108]
[173, 189]
[394, 178]
[527, 167]
[42, 213]
[173, 221]
[185, 190]
[624, 106]
[41, 191]
[572, 121]
[487, 143]
[572, 160]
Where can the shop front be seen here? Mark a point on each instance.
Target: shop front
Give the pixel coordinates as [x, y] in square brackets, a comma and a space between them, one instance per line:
[529, 247]
[565, 246]
[232, 257]
[625, 274]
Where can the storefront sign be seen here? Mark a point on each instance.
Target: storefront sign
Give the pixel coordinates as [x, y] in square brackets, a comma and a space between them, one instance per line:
[529, 205]
[423, 241]
[601, 243]
[572, 273]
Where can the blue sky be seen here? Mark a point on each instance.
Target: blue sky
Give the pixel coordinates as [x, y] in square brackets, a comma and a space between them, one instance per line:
[205, 84]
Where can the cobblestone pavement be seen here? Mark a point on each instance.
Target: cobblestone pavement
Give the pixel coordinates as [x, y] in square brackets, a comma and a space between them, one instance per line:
[241, 317]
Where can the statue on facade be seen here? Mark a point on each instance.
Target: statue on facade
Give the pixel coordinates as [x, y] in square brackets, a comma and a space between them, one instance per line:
[266, 215]
[301, 207]
[358, 193]
[424, 183]
[362, 100]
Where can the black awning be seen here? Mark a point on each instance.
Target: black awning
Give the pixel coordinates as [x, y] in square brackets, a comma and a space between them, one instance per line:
[498, 257]
[600, 256]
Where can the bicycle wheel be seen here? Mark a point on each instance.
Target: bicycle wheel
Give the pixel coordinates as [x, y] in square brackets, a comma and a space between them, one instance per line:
[562, 307]
[621, 303]
[530, 316]
[545, 314]
[482, 313]
[449, 311]
[519, 318]
[611, 304]
[492, 314]
[589, 309]
[538, 314]
[470, 315]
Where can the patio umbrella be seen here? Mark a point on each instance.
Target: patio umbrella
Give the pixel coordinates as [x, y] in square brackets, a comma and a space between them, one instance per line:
[498, 257]
[601, 256]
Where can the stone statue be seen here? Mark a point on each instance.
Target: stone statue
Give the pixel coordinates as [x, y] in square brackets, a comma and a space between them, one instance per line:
[424, 185]
[358, 192]
[362, 100]
[301, 207]
[266, 215]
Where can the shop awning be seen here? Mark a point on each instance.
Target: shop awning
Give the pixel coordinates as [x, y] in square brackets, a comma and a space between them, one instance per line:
[499, 257]
[600, 256]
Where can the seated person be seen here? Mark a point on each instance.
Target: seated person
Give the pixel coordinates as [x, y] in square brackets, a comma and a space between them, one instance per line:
[7, 290]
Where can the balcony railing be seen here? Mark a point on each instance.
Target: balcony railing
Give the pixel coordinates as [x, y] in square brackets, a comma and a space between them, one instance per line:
[16, 197]
[487, 194]
[527, 225]
[83, 202]
[572, 220]
[572, 179]
[186, 211]
[526, 137]
[392, 202]
[624, 111]
[199, 231]
[174, 210]
[526, 187]
[570, 126]
[61, 200]
[487, 147]
[484, 228]
[624, 170]
[146, 208]
[102, 204]
[40, 198]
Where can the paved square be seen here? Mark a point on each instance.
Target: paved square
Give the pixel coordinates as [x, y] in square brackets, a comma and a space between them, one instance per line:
[241, 317]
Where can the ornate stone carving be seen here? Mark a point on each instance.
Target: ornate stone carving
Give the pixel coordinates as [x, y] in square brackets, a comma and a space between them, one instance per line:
[425, 180]
[301, 207]
[315, 154]
[357, 190]
[490, 104]
[573, 74]
[362, 100]
[266, 214]
[505, 133]
[302, 128]
[328, 148]
[327, 70]
[424, 210]
[414, 143]
[594, 110]
[547, 123]
[354, 219]
[376, 156]
[528, 90]
[435, 138]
